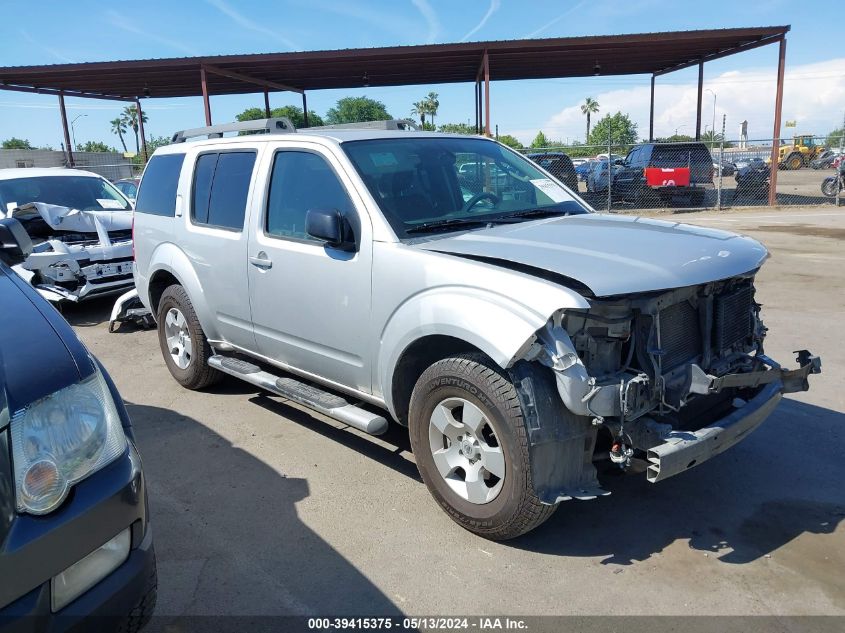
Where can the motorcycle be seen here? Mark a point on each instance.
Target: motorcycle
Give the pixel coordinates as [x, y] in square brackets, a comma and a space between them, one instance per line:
[833, 185]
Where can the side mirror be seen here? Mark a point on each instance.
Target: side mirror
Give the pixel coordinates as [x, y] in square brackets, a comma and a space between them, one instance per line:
[327, 225]
[15, 244]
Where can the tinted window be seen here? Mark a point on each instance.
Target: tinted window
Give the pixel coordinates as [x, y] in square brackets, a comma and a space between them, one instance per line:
[203, 175]
[157, 193]
[221, 186]
[301, 181]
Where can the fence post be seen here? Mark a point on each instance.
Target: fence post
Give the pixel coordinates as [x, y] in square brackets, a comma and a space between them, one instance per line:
[609, 168]
[721, 165]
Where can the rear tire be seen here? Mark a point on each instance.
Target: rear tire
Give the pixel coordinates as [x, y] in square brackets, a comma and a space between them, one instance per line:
[794, 162]
[481, 472]
[183, 343]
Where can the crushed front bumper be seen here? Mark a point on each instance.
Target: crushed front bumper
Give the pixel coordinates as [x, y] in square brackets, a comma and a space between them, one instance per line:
[681, 450]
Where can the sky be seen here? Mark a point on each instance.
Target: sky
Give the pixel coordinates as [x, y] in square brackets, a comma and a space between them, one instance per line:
[52, 32]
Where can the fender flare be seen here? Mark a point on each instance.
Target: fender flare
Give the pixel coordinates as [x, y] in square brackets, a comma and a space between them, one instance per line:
[493, 323]
[170, 258]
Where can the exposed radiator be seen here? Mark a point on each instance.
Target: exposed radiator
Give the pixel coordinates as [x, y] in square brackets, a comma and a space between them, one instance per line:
[680, 334]
[732, 317]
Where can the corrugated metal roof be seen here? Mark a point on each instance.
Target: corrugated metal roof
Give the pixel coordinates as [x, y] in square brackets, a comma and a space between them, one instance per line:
[643, 53]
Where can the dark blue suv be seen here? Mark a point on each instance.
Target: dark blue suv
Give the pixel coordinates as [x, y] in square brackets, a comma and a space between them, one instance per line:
[76, 548]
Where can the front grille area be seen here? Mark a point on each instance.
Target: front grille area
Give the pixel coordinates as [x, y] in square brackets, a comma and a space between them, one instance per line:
[732, 320]
[680, 334]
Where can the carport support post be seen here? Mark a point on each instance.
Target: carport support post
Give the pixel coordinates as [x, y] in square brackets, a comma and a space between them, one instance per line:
[700, 95]
[68, 146]
[773, 165]
[141, 131]
[486, 94]
[205, 103]
[266, 103]
[651, 114]
[304, 109]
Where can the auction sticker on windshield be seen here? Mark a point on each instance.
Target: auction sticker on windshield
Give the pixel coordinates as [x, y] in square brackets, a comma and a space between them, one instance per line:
[551, 189]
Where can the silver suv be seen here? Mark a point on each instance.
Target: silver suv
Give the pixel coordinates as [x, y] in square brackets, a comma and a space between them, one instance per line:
[447, 284]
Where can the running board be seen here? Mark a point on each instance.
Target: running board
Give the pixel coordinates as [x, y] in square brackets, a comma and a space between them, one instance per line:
[307, 395]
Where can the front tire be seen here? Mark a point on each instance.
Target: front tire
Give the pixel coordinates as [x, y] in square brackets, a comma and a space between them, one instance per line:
[795, 162]
[471, 446]
[183, 343]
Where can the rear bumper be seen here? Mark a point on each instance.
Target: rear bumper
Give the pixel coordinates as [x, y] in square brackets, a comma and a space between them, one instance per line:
[683, 450]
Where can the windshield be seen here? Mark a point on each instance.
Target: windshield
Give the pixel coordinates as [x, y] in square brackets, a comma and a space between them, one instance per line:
[452, 182]
[86, 193]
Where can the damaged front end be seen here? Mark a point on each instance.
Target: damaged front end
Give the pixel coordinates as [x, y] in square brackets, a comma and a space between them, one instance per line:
[76, 254]
[668, 379]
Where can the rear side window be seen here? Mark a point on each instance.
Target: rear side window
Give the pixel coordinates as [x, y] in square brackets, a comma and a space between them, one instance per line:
[221, 186]
[157, 193]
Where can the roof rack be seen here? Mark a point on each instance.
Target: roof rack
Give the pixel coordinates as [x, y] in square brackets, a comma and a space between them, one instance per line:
[390, 124]
[277, 125]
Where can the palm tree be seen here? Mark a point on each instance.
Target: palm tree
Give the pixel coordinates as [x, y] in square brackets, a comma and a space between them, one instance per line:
[432, 104]
[590, 106]
[420, 109]
[129, 116]
[119, 127]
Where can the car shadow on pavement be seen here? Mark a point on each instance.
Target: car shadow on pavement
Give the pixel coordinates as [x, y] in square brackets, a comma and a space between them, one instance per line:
[88, 313]
[396, 438]
[228, 537]
[783, 481]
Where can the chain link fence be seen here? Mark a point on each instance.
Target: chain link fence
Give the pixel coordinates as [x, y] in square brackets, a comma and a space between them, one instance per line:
[690, 175]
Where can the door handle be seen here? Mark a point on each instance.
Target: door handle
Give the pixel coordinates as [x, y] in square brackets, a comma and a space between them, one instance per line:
[261, 261]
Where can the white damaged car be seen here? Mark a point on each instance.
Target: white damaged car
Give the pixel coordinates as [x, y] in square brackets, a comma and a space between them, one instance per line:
[81, 229]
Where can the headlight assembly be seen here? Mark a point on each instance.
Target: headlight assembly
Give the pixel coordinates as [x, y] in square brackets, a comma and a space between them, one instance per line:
[61, 439]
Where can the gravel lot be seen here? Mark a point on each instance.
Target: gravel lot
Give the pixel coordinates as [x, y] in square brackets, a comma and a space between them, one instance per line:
[260, 507]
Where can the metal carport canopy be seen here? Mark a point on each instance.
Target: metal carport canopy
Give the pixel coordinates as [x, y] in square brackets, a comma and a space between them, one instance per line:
[646, 53]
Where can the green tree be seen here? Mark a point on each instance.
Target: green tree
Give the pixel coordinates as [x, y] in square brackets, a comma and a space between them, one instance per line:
[153, 143]
[118, 126]
[17, 143]
[457, 128]
[292, 112]
[130, 120]
[94, 146]
[357, 109]
[675, 138]
[835, 138]
[510, 141]
[420, 109]
[540, 140]
[616, 128]
[432, 104]
[589, 107]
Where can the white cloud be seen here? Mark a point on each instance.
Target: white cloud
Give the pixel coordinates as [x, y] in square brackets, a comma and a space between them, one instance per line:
[814, 96]
[430, 18]
[494, 6]
[246, 23]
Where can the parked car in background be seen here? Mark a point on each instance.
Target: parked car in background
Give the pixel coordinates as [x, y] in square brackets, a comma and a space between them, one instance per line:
[726, 168]
[558, 165]
[583, 169]
[826, 159]
[597, 177]
[81, 228]
[517, 334]
[75, 537]
[658, 171]
[749, 160]
[128, 187]
[752, 183]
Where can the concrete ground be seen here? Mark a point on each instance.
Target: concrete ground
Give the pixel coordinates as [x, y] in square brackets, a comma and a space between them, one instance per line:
[259, 507]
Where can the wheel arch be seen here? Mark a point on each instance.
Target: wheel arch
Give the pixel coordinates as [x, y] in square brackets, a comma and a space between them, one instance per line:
[168, 266]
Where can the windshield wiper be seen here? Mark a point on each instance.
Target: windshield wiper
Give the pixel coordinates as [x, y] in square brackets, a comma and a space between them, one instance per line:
[535, 213]
[427, 227]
